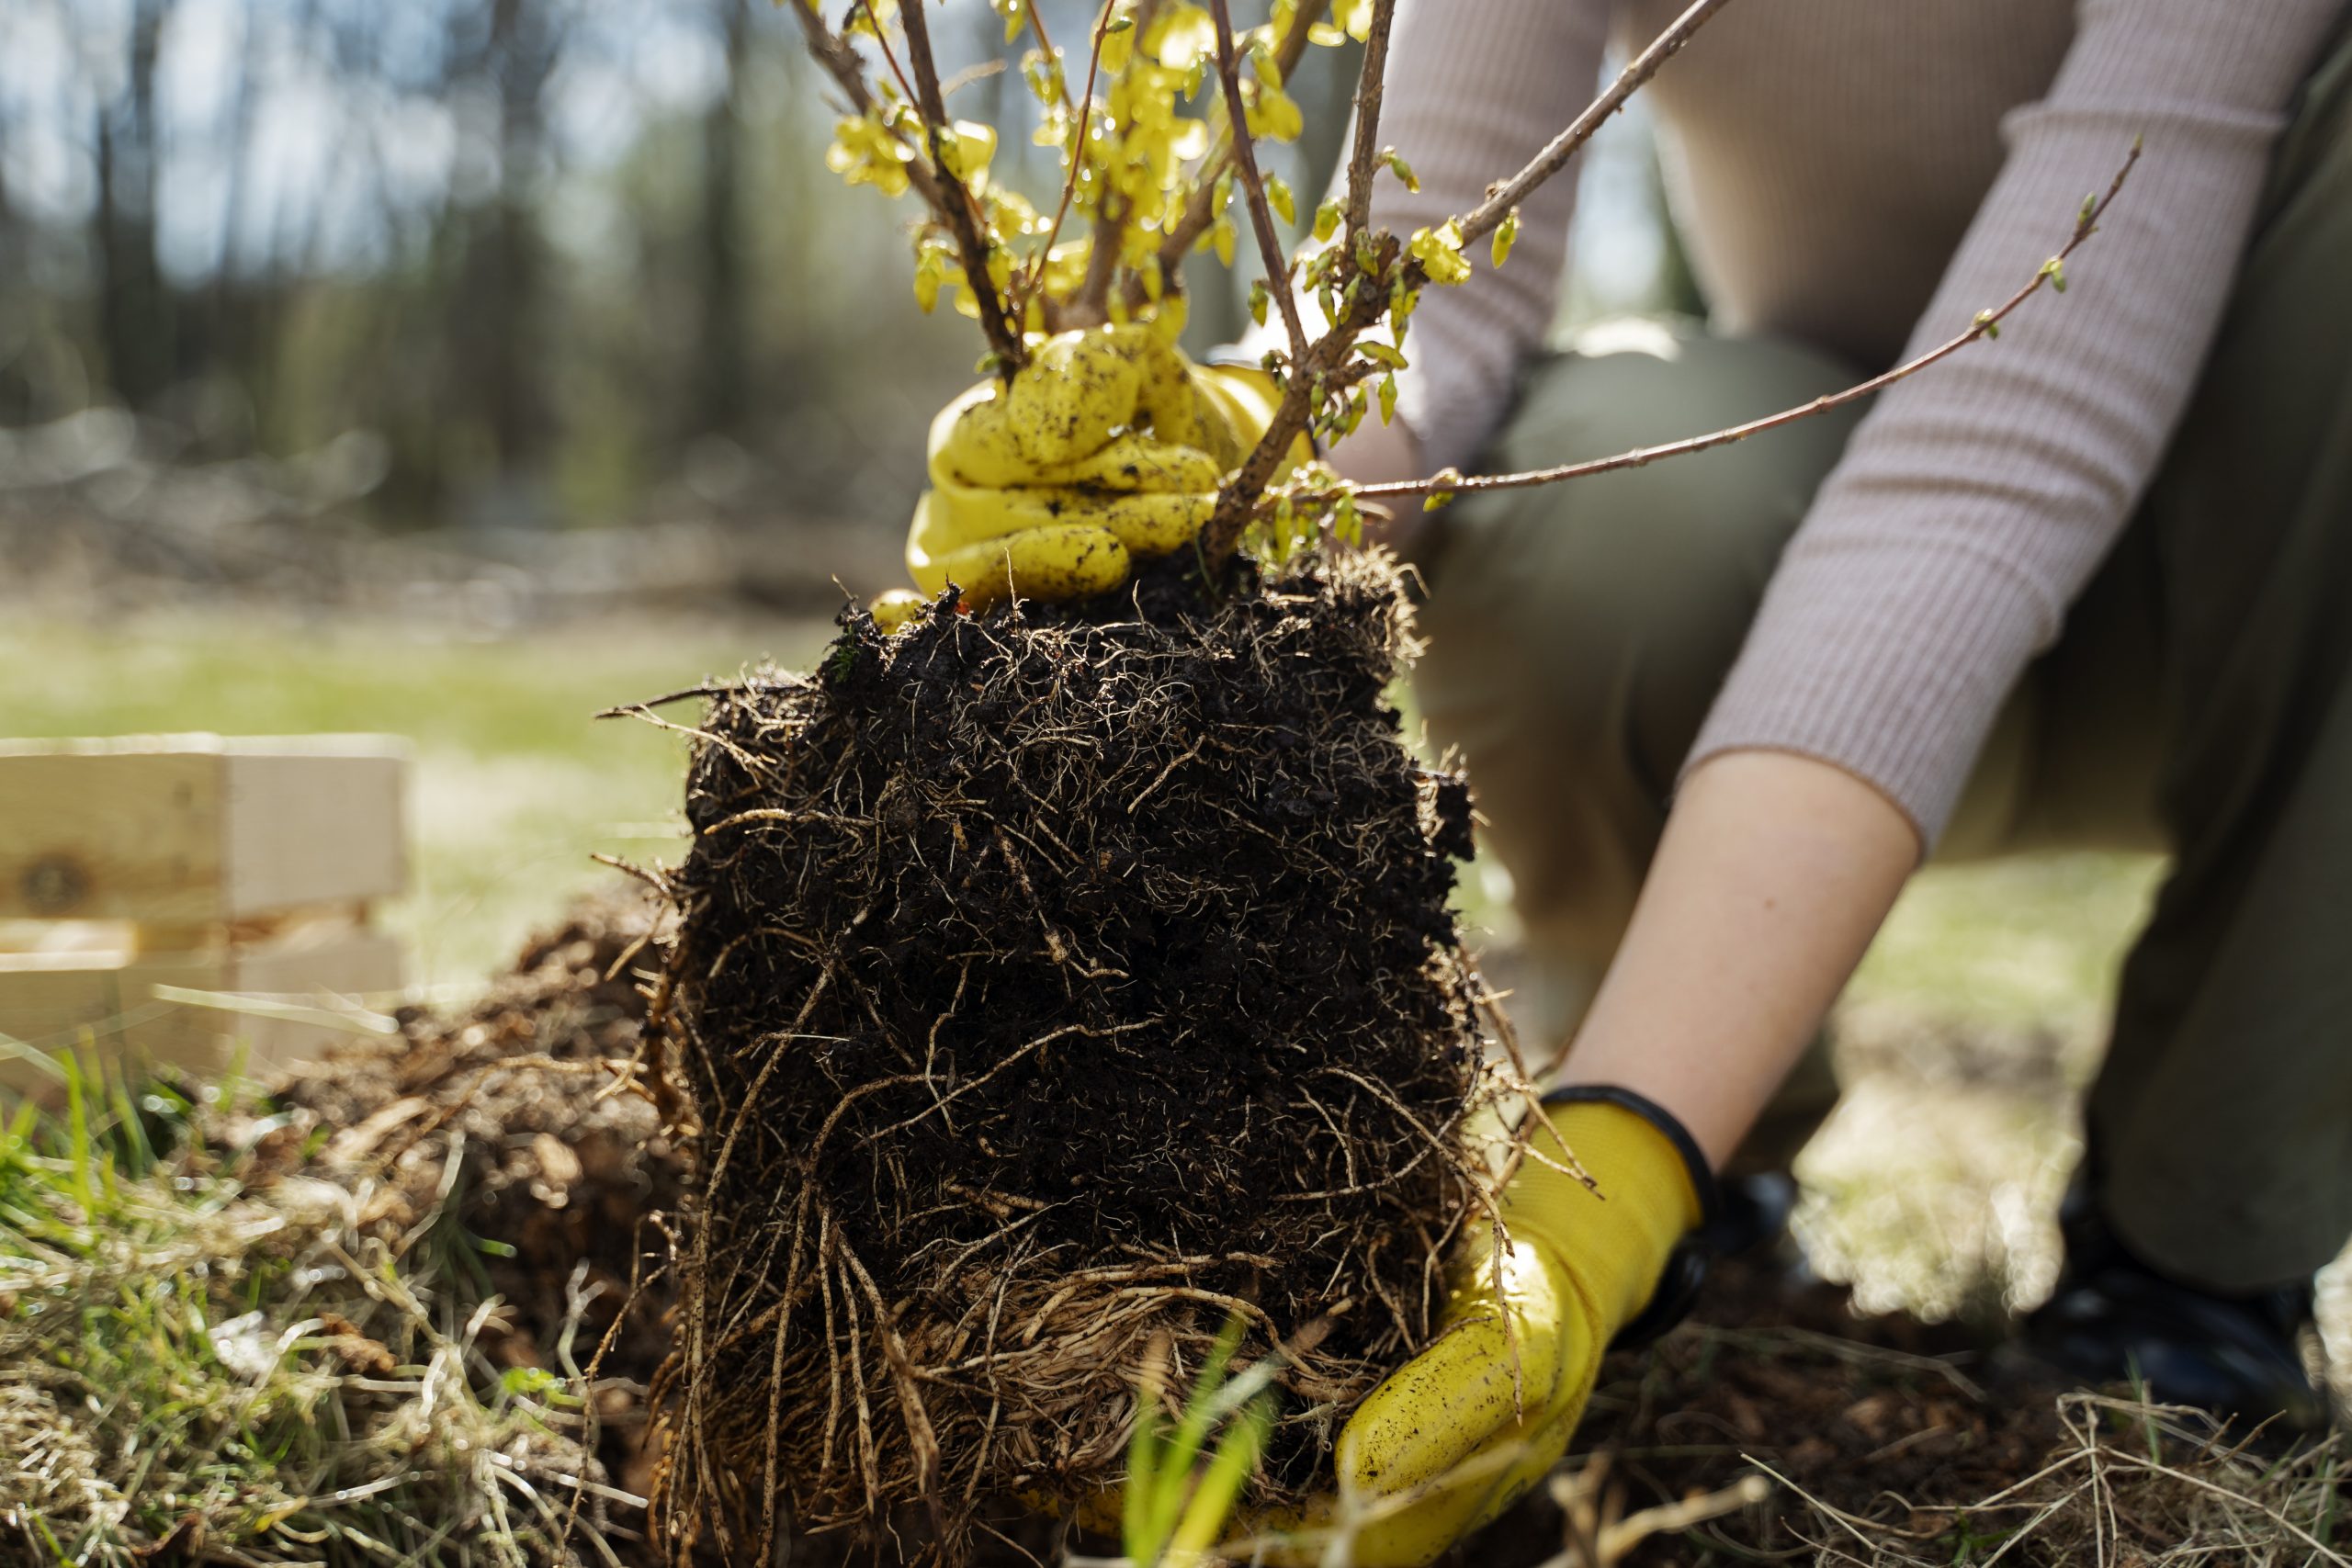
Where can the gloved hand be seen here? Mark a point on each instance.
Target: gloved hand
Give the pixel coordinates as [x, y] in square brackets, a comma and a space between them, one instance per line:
[1477, 1418]
[1107, 446]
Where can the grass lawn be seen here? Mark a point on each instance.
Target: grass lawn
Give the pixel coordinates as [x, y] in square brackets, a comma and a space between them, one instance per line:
[515, 783]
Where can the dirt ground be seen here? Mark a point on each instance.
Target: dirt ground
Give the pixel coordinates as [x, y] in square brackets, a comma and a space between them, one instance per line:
[1878, 1420]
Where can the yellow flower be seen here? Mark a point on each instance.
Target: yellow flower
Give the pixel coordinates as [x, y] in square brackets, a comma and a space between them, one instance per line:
[1272, 115]
[1185, 37]
[865, 153]
[1439, 253]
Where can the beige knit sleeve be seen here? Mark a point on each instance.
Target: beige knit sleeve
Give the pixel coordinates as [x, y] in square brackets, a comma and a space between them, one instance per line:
[1476, 88]
[1976, 499]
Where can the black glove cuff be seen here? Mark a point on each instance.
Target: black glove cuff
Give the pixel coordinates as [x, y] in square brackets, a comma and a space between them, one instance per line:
[1687, 1265]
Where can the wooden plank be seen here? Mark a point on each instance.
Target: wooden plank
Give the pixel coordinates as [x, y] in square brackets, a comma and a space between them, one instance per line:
[47, 998]
[99, 837]
[313, 829]
[183, 831]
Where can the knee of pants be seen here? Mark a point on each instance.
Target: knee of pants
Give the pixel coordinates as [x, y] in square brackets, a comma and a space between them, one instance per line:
[1579, 632]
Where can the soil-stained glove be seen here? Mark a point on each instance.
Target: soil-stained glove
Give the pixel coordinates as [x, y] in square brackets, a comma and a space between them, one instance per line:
[1461, 1431]
[1107, 446]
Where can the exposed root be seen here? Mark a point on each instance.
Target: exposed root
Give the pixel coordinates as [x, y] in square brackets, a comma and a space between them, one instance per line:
[1047, 985]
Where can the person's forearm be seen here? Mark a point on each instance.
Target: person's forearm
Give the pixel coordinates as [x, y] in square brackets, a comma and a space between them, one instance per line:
[1774, 873]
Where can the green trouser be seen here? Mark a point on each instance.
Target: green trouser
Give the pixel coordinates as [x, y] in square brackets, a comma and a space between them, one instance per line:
[2199, 702]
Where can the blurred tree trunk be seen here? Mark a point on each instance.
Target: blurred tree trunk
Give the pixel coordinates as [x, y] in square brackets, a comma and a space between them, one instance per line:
[495, 304]
[235, 331]
[723, 356]
[135, 318]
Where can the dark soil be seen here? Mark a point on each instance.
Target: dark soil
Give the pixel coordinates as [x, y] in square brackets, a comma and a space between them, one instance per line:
[1904, 1426]
[1883, 1418]
[1048, 984]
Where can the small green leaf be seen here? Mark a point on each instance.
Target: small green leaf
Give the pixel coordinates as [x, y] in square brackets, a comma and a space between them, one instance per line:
[1327, 220]
[1220, 1489]
[1402, 170]
[1381, 354]
[1278, 196]
[1258, 298]
[1506, 236]
[1347, 521]
[1388, 400]
[1442, 485]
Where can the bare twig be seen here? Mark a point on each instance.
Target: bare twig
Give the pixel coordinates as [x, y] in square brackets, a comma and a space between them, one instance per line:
[1091, 307]
[1565, 146]
[882, 42]
[1985, 324]
[1084, 111]
[956, 206]
[1254, 184]
[1364, 291]
[1371, 87]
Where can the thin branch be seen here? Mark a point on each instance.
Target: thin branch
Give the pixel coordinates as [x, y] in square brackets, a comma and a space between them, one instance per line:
[1985, 324]
[1565, 146]
[1254, 184]
[927, 176]
[1035, 279]
[1364, 292]
[882, 42]
[1036, 13]
[961, 222]
[1371, 87]
[1091, 307]
[840, 62]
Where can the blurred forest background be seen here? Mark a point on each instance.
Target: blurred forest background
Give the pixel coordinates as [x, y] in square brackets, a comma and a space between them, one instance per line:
[458, 368]
[486, 306]
[455, 368]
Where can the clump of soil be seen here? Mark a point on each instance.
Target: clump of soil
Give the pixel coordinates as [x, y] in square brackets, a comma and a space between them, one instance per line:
[523, 1117]
[1049, 985]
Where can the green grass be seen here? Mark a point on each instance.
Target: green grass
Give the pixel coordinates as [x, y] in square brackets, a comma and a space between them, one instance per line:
[515, 783]
[263, 1378]
[2030, 942]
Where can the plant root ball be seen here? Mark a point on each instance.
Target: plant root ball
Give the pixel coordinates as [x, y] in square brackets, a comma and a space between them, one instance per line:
[1050, 985]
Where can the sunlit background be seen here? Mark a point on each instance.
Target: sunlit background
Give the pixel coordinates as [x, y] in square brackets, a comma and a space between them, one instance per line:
[455, 369]
[459, 368]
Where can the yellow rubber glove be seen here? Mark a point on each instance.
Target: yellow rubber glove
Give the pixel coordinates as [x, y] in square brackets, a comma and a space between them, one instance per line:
[1107, 446]
[1458, 1433]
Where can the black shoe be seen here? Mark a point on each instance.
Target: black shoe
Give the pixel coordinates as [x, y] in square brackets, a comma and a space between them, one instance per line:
[1754, 1212]
[2115, 1320]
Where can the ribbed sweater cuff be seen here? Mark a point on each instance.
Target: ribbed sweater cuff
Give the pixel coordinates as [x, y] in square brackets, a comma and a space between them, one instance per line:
[1884, 660]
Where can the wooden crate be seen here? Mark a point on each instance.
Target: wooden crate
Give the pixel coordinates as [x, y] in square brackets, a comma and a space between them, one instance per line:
[209, 868]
